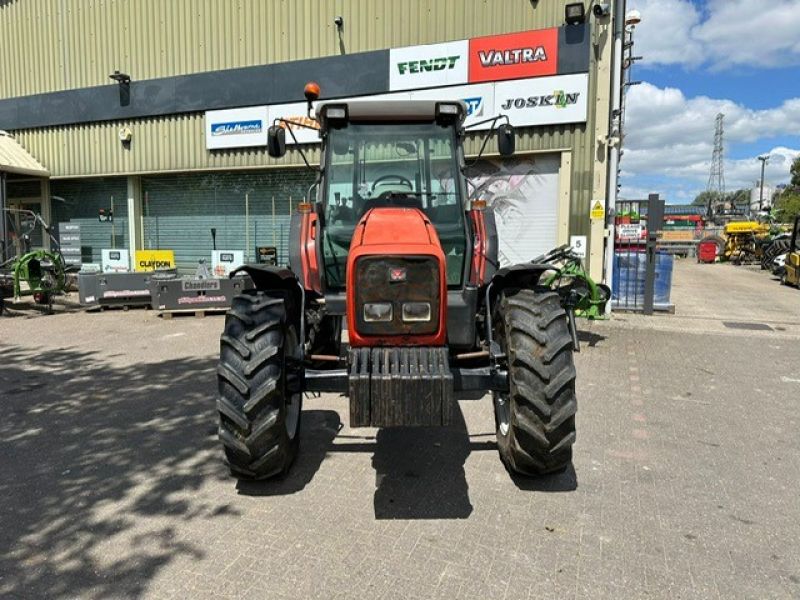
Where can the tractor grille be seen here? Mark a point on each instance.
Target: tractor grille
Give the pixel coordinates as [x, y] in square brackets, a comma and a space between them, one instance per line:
[397, 280]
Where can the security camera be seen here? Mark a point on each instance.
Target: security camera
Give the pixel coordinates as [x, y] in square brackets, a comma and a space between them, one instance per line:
[338, 21]
[603, 9]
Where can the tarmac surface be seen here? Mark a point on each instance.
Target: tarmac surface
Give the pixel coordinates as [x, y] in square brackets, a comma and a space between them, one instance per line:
[685, 483]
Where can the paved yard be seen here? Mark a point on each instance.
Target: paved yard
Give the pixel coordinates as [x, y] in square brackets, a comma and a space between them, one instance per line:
[685, 484]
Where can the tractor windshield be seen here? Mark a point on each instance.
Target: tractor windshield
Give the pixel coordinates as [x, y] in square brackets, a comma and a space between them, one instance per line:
[410, 165]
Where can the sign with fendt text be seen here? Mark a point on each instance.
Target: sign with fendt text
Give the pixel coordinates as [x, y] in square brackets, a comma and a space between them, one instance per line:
[432, 65]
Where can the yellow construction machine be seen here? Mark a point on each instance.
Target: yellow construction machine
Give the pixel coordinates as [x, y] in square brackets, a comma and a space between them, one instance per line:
[743, 241]
[791, 275]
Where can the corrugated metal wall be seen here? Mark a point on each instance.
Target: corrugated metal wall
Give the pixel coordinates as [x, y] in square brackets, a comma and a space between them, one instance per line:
[51, 45]
[48, 45]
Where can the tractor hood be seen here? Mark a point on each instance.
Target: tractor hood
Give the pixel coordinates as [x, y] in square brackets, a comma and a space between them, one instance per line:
[380, 226]
[396, 264]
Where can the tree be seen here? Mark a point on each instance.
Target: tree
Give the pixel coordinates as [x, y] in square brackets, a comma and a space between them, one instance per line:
[703, 198]
[788, 205]
[738, 197]
[795, 173]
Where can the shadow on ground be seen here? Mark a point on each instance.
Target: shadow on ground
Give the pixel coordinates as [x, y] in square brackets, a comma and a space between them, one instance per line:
[94, 456]
[590, 338]
[419, 472]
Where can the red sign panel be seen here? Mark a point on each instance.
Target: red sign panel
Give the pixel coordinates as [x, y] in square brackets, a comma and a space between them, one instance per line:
[513, 55]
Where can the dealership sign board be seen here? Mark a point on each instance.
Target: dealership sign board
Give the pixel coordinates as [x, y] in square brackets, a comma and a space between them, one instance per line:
[492, 58]
[536, 77]
[529, 102]
[513, 55]
[431, 65]
[543, 101]
[237, 127]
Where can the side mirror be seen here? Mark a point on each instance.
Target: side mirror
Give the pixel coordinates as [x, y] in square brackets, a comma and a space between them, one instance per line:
[276, 141]
[506, 142]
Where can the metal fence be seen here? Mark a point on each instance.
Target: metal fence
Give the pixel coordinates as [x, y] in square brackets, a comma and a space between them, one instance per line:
[637, 226]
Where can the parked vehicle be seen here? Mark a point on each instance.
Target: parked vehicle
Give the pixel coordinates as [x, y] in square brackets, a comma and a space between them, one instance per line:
[387, 242]
[791, 275]
[779, 265]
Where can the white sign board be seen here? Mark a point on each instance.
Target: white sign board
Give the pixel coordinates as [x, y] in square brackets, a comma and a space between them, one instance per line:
[543, 100]
[527, 102]
[236, 128]
[224, 262]
[578, 244]
[630, 231]
[115, 261]
[432, 65]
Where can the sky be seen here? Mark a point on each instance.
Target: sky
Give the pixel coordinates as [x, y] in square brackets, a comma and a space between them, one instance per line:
[700, 58]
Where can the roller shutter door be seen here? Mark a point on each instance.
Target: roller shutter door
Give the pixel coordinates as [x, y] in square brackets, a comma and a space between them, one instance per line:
[80, 200]
[179, 212]
[523, 193]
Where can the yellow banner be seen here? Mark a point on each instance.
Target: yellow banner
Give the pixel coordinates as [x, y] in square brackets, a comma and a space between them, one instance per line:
[150, 260]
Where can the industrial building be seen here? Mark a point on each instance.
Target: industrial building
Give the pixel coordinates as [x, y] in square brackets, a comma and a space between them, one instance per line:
[144, 121]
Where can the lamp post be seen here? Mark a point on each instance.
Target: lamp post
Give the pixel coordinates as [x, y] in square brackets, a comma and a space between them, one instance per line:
[621, 59]
[764, 158]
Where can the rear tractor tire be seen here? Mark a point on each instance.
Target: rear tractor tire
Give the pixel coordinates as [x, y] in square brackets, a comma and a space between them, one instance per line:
[259, 367]
[536, 419]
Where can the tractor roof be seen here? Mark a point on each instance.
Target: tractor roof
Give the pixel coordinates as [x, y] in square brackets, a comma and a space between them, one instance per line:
[392, 110]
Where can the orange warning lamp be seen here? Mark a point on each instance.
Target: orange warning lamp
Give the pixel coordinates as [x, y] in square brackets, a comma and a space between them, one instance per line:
[311, 91]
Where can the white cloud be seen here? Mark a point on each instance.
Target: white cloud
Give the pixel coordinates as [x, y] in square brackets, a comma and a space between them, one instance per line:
[730, 33]
[669, 138]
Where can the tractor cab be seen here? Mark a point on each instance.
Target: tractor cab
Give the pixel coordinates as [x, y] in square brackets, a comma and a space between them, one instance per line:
[375, 160]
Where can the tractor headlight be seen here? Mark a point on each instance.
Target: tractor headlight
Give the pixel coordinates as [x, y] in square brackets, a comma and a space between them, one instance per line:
[416, 311]
[377, 311]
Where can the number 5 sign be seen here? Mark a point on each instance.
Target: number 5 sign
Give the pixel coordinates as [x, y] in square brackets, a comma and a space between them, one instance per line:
[578, 243]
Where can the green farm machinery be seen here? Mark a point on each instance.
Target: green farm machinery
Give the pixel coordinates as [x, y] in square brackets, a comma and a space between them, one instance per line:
[39, 273]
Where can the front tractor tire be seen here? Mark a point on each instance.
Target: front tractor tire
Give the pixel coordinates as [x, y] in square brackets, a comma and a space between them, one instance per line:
[259, 413]
[536, 419]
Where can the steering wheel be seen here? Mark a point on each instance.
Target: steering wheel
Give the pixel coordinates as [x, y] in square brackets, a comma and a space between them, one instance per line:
[403, 180]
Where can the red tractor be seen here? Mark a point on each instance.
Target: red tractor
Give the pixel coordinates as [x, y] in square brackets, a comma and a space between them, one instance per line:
[389, 244]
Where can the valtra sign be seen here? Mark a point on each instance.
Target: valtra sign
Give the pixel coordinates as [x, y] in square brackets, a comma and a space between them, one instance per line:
[518, 55]
[513, 56]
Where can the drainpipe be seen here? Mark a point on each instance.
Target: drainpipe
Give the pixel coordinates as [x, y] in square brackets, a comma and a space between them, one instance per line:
[3, 218]
[615, 130]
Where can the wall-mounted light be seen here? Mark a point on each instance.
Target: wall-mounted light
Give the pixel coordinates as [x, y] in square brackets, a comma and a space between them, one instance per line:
[124, 81]
[120, 77]
[575, 13]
